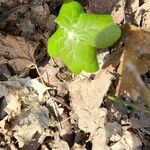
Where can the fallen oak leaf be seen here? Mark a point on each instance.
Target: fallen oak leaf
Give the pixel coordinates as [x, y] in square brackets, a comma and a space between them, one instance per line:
[136, 50]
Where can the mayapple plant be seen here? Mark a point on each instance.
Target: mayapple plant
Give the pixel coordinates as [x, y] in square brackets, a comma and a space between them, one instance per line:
[79, 34]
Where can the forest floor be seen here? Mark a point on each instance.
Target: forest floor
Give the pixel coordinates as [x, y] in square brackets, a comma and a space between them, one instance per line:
[45, 106]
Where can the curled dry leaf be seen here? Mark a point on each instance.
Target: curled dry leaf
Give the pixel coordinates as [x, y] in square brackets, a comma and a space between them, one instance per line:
[18, 52]
[137, 51]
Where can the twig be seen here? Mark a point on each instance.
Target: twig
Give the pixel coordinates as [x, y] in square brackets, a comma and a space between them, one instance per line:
[126, 103]
[54, 104]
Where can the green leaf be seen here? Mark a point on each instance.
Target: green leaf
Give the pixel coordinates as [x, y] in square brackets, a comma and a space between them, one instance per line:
[56, 42]
[69, 13]
[97, 30]
[80, 56]
[79, 34]
[73, 51]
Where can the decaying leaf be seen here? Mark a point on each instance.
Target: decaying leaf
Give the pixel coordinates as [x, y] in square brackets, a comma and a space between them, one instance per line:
[50, 75]
[39, 87]
[140, 119]
[118, 12]
[13, 107]
[134, 4]
[3, 91]
[86, 98]
[24, 85]
[137, 51]
[101, 6]
[18, 52]
[59, 145]
[33, 118]
[114, 131]
[78, 147]
[129, 141]
[142, 15]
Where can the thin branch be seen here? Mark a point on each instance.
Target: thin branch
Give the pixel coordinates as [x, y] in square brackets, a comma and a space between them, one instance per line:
[53, 103]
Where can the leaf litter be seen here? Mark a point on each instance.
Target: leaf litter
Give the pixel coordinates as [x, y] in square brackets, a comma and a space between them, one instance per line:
[137, 53]
[52, 109]
[18, 52]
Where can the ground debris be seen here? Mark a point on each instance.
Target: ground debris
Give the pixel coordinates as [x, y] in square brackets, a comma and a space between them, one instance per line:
[24, 93]
[128, 141]
[73, 112]
[18, 52]
[90, 96]
[59, 145]
[137, 51]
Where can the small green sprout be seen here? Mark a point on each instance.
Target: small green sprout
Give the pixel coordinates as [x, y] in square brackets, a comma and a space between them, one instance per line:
[78, 36]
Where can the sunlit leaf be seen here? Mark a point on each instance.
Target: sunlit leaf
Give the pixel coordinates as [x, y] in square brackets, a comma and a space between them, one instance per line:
[79, 34]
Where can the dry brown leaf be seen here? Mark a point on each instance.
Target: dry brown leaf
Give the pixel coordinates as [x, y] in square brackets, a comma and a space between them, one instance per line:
[30, 121]
[26, 93]
[3, 91]
[78, 147]
[129, 141]
[142, 15]
[59, 145]
[101, 6]
[137, 51]
[17, 51]
[86, 97]
[13, 107]
[140, 119]
[133, 4]
[49, 75]
[118, 12]
[114, 131]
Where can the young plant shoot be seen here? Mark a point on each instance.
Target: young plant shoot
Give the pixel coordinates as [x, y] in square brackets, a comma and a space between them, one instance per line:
[79, 34]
